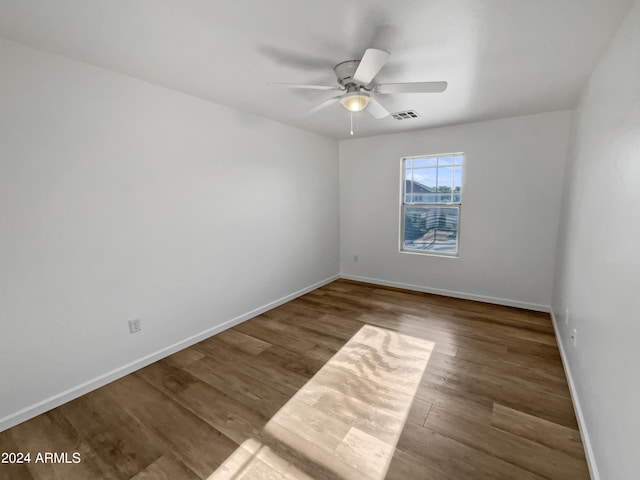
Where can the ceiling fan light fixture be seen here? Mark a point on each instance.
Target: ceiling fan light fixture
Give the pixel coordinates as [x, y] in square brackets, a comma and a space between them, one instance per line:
[355, 102]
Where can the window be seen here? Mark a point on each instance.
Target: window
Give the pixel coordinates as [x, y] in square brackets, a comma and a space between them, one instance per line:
[431, 200]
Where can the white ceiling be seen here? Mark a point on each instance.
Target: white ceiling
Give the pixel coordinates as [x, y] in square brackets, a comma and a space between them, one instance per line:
[501, 57]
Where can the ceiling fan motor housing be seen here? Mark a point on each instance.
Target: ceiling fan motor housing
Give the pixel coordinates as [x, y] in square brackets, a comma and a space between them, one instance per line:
[345, 71]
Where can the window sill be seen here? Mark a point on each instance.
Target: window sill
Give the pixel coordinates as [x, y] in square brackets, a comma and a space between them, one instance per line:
[428, 253]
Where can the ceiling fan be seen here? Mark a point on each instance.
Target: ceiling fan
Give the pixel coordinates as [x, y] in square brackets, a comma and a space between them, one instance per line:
[355, 79]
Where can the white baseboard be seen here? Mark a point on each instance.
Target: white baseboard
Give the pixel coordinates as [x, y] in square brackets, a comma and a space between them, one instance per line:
[452, 293]
[97, 382]
[584, 434]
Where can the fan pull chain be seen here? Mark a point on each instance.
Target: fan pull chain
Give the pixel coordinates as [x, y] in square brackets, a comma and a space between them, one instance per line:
[351, 123]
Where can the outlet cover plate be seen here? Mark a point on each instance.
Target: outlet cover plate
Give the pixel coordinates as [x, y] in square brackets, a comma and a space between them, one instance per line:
[135, 325]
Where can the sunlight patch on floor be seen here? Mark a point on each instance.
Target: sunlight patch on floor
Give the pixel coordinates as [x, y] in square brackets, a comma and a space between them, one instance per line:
[347, 419]
[255, 461]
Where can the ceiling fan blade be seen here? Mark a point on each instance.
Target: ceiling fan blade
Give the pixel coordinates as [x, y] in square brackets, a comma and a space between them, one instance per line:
[323, 105]
[371, 63]
[376, 110]
[416, 87]
[303, 86]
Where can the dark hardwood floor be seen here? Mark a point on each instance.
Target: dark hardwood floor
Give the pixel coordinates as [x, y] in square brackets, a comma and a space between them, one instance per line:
[350, 381]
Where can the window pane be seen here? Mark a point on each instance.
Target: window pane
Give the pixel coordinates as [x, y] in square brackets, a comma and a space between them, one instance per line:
[445, 161]
[407, 181]
[431, 229]
[457, 178]
[425, 180]
[425, 162]
[458, 159]
[418, 189]
[407, 163]
[445, 175]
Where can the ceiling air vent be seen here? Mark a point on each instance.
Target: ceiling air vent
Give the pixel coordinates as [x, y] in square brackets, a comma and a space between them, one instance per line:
[406, 115]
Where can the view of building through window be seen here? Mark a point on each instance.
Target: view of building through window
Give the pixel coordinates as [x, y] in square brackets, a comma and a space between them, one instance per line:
[431, 201]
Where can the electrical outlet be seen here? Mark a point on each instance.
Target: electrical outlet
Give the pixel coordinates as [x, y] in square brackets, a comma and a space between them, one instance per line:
[135, 325]
[574, 337]
[355, 258]
[566, 316]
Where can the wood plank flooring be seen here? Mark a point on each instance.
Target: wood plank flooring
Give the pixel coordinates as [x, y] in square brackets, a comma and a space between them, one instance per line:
[351, 381]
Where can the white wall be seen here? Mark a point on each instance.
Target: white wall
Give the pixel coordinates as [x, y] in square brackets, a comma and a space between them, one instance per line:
[598, 267]
[511, 198]
[120, 199]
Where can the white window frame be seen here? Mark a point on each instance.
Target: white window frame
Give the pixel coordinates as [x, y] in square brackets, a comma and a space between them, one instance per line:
[452, 204]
